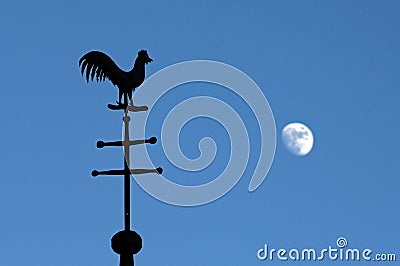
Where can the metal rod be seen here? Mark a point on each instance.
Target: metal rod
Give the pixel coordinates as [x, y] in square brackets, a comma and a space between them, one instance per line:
[127, 184]
[109, 172]
[159, 171]
[101, 144]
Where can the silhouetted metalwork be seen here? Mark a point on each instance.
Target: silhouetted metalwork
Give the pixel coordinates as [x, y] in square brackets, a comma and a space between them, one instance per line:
[101, 144]
[101, 66]
[126, 243]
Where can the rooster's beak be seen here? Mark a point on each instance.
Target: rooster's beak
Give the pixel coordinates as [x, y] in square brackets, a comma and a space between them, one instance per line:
[149, 60]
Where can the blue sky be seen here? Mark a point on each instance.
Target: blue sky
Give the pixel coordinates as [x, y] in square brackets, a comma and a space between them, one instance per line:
[331, 64]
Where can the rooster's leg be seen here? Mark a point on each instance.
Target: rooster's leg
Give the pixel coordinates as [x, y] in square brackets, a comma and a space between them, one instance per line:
[125, 98]
[130, 98]
[119, 96]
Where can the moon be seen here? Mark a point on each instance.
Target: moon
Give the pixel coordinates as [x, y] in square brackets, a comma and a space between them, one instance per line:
[297, 138]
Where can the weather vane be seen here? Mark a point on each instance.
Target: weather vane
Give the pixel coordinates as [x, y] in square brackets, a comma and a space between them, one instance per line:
[100, 67]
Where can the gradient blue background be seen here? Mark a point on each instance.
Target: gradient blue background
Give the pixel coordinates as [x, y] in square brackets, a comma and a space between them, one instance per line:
[333, 65]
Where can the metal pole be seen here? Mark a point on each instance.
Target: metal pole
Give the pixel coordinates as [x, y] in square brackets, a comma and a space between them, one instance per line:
[127, 174]
[127, 243]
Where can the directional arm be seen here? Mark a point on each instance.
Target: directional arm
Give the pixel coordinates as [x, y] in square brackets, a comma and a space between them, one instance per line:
[158, 170]
[101, 144]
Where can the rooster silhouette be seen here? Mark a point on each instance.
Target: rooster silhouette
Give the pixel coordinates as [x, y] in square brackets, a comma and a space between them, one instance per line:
[101, 66]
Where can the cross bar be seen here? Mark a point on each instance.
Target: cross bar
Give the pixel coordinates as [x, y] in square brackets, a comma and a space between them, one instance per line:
[158, 170]
[101, 144]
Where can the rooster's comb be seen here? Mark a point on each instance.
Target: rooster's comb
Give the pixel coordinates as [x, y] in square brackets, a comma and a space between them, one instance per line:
[142, 52]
